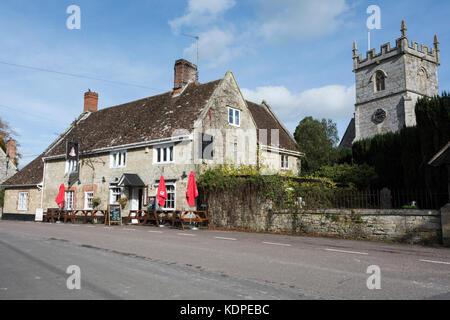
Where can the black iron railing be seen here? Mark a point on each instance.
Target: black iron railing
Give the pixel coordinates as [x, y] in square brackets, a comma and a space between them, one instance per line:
[375, 199]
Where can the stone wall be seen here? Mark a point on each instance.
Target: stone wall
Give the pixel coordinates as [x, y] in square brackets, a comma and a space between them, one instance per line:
[7, 168]
[12, 199]
[408, 226]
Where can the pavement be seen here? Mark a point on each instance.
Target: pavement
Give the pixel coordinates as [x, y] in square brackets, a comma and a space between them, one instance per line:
[142, 262]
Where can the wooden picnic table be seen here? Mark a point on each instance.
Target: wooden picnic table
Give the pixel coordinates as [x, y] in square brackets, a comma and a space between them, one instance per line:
[177, 217]
[52, 214]
[200, 216]
[92, 214]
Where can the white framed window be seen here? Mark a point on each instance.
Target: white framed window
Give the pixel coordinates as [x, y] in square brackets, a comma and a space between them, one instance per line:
[234, 117]
[118, 159]
[71, 166]
[115, 193]
[88, 196]
[170, 200]
[284, 161]
[22, 204]
[163, 154]
[69, 200]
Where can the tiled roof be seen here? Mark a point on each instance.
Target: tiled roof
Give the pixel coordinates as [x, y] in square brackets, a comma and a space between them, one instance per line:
[265, 120]
[143, 120]
[31, 174]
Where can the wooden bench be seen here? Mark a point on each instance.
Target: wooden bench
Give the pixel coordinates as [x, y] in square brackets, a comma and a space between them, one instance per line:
[70, 215]
[51, 215]
[150, 216]
[199, 217]
[134, 215]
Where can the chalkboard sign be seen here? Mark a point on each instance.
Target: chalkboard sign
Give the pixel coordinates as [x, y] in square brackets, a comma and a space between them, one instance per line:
[114, 214]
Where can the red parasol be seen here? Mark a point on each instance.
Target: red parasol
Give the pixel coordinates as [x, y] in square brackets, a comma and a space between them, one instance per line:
[60, 198]
[161, 194]
[192, 191]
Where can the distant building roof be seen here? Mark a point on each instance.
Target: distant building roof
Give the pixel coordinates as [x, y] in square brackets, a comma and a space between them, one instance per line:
[349, 135]
[265, 120]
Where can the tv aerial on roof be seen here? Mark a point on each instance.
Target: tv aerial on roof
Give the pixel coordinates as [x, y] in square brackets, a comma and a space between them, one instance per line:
[197, 38]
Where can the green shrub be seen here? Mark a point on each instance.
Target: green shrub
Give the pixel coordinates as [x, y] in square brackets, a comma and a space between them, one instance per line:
[401, 159]
[361, 176]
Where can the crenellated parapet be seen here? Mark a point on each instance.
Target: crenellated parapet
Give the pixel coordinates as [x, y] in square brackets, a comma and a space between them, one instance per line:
[402, 46]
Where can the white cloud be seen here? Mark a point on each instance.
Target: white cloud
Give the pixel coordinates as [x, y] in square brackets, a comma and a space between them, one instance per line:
[331, 102]
[216, 47]
[201, 12]
[287, 20]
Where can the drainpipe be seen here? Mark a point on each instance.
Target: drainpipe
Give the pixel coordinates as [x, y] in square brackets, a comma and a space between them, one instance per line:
[43, 185]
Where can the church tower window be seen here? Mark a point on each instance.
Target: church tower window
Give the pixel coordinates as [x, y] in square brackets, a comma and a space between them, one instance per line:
[380, 81]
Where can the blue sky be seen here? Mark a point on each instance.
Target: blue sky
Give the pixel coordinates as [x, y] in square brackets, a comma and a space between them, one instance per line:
[295, 54]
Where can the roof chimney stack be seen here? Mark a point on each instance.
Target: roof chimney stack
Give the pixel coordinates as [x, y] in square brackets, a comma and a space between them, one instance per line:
[185, 72]
[11, 146]
[90, 101]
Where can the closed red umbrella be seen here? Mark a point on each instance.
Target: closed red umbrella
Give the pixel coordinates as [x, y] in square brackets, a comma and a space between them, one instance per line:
[192, 191]
[161, 194]
[60, 198]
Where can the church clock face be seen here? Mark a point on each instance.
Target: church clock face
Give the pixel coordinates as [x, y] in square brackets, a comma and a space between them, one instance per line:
[379, 116]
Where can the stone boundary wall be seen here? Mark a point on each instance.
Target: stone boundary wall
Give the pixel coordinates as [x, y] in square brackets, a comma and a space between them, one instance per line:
[407, 226]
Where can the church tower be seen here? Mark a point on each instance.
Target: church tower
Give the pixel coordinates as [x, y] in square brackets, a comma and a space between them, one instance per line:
[389, 83]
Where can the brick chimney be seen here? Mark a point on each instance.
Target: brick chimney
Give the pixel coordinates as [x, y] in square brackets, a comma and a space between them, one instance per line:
[90, 101]
[11, 146]
[184, 72]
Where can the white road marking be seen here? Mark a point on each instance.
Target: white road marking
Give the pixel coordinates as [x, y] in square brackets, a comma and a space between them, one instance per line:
[129, 229]
[155, 231]
[278, 244]
[344, 251]
[439, 262]
[186, 234]
[222, 238]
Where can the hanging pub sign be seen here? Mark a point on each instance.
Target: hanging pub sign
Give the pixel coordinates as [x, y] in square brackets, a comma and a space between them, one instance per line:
[72, 150]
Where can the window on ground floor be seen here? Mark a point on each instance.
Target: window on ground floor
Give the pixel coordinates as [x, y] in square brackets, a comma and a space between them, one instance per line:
[69, 200]
[284, 161]
[22, 204]
[88, 196]
[170, 200]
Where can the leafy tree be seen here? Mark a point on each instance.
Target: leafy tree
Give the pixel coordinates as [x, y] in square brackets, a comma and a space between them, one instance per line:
[317, 139]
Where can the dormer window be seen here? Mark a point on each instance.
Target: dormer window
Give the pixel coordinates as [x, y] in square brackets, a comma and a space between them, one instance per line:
[380, 81]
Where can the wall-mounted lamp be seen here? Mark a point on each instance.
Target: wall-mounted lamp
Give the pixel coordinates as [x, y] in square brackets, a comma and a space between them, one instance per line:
[103, 180]
[184, 175]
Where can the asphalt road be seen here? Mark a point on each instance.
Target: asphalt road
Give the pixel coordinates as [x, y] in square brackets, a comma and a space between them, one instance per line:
[134, 262]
